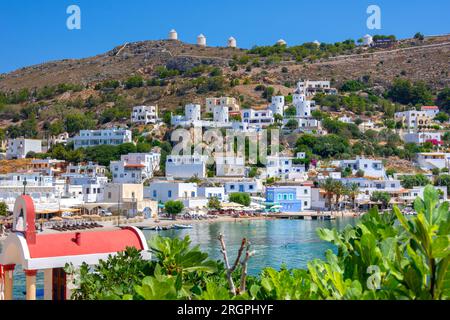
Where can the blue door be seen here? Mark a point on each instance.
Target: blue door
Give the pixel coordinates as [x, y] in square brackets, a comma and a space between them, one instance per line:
[241, 188]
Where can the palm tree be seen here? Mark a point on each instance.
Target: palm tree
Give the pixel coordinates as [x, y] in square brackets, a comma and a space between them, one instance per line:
[353, 192]
[328, 186]
[339, 190]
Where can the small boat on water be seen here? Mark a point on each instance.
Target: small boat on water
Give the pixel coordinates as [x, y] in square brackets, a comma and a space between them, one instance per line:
[182, 226]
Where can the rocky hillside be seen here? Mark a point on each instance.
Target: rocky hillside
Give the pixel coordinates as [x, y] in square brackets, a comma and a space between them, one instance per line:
[426, 61]
[173, 73]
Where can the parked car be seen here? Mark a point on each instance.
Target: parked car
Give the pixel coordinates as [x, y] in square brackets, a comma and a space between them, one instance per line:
[105, 213]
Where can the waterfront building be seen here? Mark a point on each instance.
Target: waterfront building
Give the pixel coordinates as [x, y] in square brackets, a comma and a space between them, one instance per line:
[135, 167]
[20, 147]
[163, 191]
[144, 115]
[188, 166]
[39, 187]
[251, 186]
[51, 252]
[128, 199]
[212, 192]
[285, 197]
[88, 189]
[92, 138]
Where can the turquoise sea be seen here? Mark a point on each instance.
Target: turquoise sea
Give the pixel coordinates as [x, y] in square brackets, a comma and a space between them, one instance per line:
[276, 242]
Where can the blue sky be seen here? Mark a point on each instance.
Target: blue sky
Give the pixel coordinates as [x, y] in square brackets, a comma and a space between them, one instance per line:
[33, 32]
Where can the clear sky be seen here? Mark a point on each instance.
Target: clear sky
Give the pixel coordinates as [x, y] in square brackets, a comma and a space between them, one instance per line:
[33, 32]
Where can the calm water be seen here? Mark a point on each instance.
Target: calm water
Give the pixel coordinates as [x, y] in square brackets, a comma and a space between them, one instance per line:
[276, 242]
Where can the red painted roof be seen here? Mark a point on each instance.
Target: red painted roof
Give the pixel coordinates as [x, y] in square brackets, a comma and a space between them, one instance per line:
[430, 108]
[135, 166]
[95, 242]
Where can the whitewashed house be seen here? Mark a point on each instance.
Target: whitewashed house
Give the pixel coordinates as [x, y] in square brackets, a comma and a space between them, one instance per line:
[257, 118]
[220, 114]
[144, 115]
[163, 191]
[186, 166]
[135, 167]
[430, 111]
[372, 168]
[282, 167]
[433, 160]
[192, 116]
[251, 186]
[40, 187]
[87, 189]
[278, 105]
[422, 137]
[310, 88]
[20, 147]
[212, 192]
[92, 138]
[230, 166]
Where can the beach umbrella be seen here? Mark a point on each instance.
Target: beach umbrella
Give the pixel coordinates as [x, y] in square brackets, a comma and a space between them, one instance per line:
[56, 219]
[77, 217]
[68, 218]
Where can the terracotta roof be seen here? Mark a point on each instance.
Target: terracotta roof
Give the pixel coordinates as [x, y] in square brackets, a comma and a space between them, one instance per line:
[430, 108]
[135, 166]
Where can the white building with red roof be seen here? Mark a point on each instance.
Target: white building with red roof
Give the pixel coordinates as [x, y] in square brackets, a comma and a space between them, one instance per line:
[430, 111]
[50, 252]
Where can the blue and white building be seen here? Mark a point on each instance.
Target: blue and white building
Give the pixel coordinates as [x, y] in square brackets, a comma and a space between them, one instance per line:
[285, 197]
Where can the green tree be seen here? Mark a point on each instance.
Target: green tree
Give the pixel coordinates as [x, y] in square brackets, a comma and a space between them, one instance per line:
[134, 82]
[443, 99]
[292, 124]
[412, 181]
[3, 209]
[174, 208]
[443, 181]
[380, 196]
[214, 203]
[241, 198]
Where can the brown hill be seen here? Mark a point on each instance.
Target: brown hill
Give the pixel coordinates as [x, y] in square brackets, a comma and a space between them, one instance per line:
[426, 61]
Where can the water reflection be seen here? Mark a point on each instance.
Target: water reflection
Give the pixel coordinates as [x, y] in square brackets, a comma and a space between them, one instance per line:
[277, 242]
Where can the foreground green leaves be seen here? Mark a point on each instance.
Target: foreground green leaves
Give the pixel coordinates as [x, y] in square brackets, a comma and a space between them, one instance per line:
[385, 256]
